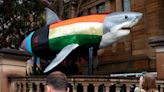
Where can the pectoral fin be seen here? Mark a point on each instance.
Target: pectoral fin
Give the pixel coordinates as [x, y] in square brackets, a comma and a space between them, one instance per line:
[61, 56]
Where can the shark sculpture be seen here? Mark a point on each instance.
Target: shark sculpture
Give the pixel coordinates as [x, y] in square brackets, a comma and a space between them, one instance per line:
[59, 38]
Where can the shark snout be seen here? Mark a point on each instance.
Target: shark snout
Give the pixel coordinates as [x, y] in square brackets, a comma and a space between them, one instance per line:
[138, 15]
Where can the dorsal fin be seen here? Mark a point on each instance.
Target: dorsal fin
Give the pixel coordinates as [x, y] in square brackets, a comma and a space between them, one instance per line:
[51, 16]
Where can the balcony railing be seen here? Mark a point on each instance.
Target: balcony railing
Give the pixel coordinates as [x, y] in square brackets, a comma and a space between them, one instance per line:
[80, 84]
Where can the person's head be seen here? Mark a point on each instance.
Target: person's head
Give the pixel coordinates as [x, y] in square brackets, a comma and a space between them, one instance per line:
[149, 82]
[57, 82]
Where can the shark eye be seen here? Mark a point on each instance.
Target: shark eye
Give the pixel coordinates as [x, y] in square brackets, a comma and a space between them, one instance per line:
[126, 17]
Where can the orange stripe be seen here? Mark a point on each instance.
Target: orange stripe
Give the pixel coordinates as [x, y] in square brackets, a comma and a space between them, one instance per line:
[90, 18]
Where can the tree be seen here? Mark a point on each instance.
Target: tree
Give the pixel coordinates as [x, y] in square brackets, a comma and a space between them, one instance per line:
[56, 5]
[17, 19]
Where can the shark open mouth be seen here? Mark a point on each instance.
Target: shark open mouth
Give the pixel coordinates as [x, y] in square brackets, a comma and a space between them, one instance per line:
[127, 28]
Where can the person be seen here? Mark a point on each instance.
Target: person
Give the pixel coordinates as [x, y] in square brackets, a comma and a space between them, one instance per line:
[57, 82]
[139, 88]
[147, 84]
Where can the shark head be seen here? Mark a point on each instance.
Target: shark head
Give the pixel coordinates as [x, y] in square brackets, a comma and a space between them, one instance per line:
[119, 20]
[117, 25]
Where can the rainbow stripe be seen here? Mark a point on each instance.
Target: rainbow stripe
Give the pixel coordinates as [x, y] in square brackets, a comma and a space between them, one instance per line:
[85, 31]
[27, 43]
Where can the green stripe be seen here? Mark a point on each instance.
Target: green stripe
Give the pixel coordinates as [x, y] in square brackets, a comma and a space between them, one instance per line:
[58, 43]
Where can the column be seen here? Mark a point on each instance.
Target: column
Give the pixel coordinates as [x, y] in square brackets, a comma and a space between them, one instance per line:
[37, 87]
[128, 87]
[96, 87]
[44, 84]
[118, 88]
[85, 87]
[107, 87]
[75, 87]
[30, 87]
[16, 87]
[24, 87]
[12, 87]
[19, 87]
[161, 88]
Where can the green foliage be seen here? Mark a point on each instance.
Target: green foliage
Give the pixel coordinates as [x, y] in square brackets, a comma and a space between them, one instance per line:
[17, 19]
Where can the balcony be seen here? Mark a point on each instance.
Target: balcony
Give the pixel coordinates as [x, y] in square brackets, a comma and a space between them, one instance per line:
[80, 84]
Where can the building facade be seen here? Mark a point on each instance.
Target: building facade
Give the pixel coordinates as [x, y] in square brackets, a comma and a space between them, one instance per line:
[133, 53]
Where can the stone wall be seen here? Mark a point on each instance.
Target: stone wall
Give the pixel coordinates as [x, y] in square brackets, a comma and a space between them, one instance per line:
[12, 64]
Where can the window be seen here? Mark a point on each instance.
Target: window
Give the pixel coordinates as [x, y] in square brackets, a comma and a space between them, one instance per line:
[126, 5]
[80, 14]
[100, 8]
[66, 14]
[89, 11]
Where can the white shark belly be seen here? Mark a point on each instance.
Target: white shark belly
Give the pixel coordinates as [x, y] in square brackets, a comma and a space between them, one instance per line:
[111, 37]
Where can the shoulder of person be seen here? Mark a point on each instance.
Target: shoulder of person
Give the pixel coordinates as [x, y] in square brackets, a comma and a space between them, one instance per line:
[137, 89]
